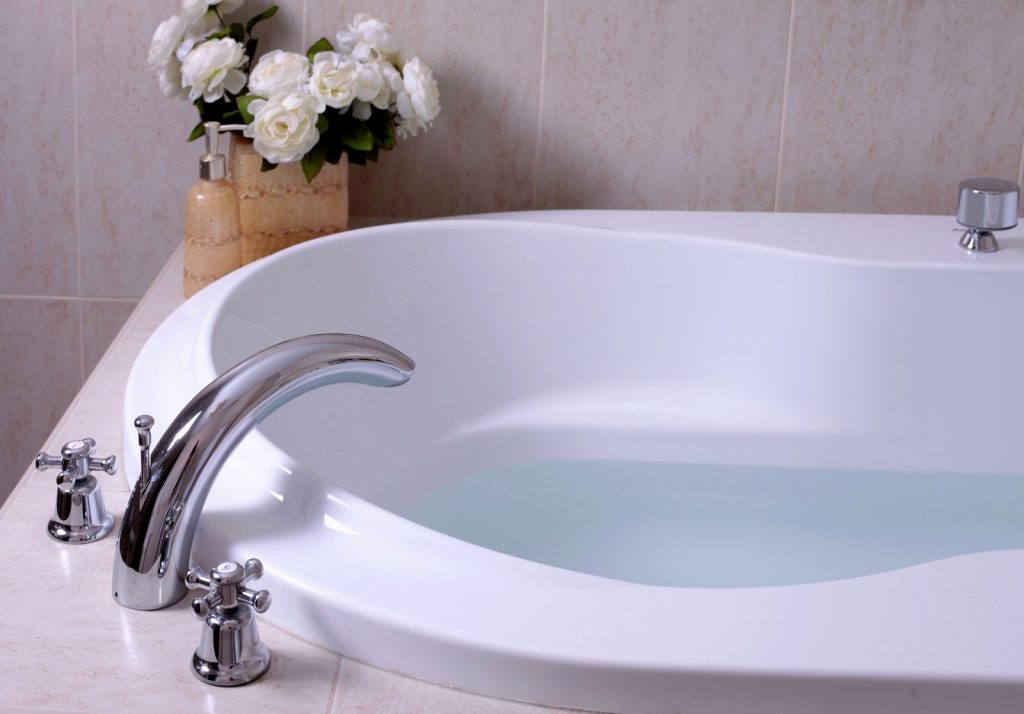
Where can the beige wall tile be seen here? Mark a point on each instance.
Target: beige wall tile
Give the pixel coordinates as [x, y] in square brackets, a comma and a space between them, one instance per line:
[135, 167]
[38, 251]
[40, 374]
[891, 104]
[99, 414]
[667, 105]
[101, 321]
[281, 32]
[479, 154]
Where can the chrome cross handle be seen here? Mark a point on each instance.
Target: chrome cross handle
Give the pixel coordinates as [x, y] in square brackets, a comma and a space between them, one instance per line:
[226, 584]
[77, 455]
[230, 651]
[80, 515]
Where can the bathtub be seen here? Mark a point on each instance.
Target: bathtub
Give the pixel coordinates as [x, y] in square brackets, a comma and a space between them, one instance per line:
[649, 461]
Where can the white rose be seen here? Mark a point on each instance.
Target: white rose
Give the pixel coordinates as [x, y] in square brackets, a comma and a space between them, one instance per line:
[283, 128]
[212, 67]
[192, 10]
[393, 78]
[170, 80]
[333, 81]
[206, 24]
[277, 72]
[371, 89]
[419, 102]
[201, 18]
[367, 39]
[186, 46]
[166, 39]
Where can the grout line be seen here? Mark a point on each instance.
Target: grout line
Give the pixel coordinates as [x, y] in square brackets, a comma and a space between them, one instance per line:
[785, 98]
[334, 685]
[106, 299]
[540, 109]
[81, 343]
[78, 202]
[67, 297]
[40, 298]
[51, 438]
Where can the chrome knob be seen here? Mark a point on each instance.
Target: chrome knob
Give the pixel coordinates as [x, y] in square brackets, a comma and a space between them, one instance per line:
[80, 515]
[230, 651]
[986, 205]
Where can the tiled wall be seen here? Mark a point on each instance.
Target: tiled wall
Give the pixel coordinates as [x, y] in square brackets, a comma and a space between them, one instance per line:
[796, 105]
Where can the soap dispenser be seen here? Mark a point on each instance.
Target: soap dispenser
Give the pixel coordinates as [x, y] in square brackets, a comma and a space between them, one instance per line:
[213, 234]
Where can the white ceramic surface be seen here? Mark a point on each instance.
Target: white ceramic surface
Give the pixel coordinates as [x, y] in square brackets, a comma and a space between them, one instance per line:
[853, 349]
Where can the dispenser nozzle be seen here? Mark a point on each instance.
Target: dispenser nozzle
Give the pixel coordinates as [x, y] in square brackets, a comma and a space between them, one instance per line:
[212, 166]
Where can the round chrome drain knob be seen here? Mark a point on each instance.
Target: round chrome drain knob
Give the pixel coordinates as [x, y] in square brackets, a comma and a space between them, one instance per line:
[986, 205]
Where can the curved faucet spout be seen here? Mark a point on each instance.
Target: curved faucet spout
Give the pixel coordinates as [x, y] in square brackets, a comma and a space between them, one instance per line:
[155, 541]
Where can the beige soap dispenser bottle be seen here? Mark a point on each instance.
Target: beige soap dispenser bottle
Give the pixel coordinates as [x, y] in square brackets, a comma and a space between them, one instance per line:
[213, 234]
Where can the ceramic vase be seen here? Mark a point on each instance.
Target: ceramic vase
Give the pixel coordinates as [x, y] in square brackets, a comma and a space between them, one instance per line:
[279, 208]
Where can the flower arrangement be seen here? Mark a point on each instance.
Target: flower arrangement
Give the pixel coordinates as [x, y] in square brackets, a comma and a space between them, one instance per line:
[351, 98]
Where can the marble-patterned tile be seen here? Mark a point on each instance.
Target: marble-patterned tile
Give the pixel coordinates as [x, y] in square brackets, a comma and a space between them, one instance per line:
[135, 167]
[38, 250]
[662, 105]
[363, 689]
[479, 155]
[890, 105]
[101, 321]
[40, 354]
[134, 661]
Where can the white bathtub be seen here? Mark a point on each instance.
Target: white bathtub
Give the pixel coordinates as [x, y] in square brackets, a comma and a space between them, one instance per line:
[672, 461]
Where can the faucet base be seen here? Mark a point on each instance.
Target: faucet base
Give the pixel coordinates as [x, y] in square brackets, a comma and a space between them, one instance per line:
[64, 533]
[79, 515]
[977, 241]
[232, 675]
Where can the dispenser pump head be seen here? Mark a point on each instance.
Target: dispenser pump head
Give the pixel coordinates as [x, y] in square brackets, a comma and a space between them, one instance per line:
[212, 166]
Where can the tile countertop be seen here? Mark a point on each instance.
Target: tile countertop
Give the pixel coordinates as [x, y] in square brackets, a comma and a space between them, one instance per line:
[66, 646]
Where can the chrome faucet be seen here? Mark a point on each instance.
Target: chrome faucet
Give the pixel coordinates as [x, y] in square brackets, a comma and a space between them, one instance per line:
[151, 559]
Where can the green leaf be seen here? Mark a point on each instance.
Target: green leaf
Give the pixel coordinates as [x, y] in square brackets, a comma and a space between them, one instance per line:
[250, 50]
[313, 162]
[267, 166]
[386, 139]
[333, 148]
[236, 32]
[321, 124]
[357, 136]
[219, 35]
[197, 131]
[265, 15]
[321, 45]
[243, 106]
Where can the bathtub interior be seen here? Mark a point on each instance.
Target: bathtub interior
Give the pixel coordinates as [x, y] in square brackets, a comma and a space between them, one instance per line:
[657, 409]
